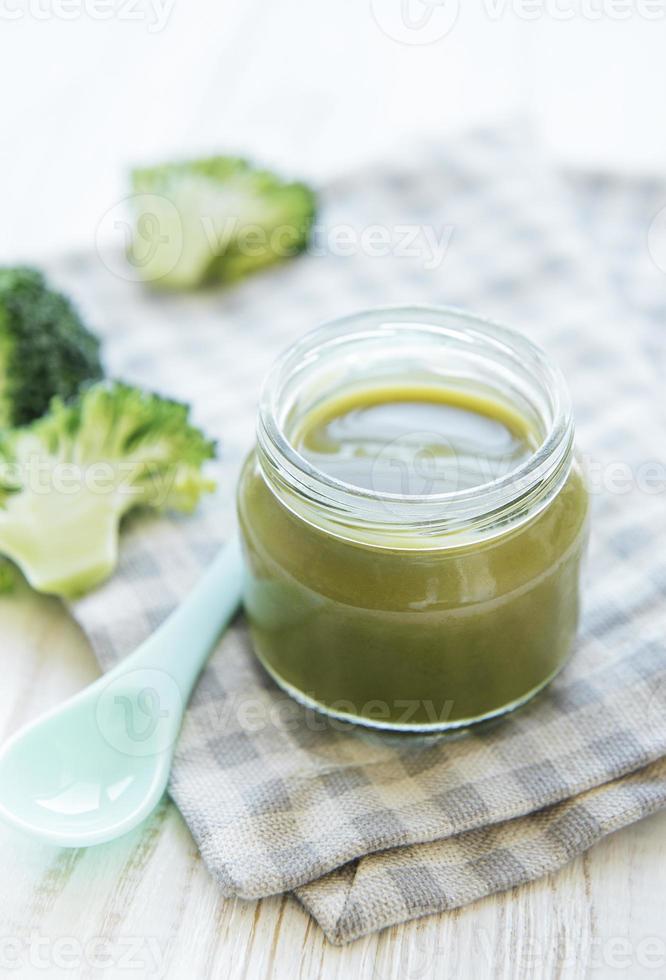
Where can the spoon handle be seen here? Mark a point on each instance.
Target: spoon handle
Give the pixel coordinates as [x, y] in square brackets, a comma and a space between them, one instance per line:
[181, 645]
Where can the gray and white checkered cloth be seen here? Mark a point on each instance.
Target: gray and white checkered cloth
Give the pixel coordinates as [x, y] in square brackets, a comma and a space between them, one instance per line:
[369, 830]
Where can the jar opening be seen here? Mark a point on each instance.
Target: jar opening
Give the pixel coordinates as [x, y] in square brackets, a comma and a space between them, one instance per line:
[442, 347]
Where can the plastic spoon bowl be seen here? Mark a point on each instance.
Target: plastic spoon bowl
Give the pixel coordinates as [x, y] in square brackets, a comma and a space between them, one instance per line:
[94, 767]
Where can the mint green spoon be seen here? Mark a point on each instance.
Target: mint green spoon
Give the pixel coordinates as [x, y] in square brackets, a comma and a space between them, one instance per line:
[92, 768]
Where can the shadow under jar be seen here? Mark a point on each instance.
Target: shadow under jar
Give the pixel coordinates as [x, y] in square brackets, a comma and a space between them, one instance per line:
[413, 520]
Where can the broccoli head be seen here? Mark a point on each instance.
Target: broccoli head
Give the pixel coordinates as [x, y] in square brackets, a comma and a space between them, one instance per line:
[215, 221]
[8, 576]
[67, 479]
[45, 350]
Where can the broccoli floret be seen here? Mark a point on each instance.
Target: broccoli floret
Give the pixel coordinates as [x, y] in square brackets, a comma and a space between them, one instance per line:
[215, 220]
[8, 577]
[67, 479]
[45, 350]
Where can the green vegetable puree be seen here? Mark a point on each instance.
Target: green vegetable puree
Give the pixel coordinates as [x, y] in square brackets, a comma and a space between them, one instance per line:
[414, 440]
[423, 633]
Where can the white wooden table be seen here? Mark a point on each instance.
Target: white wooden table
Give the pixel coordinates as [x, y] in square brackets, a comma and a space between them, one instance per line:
[314, 87]
[144, 906]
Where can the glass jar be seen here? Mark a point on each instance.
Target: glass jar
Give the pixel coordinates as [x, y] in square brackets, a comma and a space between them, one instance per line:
[413, 611]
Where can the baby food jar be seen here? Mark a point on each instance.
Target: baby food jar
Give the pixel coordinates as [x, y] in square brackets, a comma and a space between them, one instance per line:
[413, 520]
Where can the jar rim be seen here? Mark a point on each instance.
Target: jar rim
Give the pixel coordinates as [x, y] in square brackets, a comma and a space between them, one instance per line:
[533, 481]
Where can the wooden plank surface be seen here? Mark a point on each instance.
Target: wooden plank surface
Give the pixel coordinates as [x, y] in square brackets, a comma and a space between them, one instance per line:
[314, 87]
[144, 906]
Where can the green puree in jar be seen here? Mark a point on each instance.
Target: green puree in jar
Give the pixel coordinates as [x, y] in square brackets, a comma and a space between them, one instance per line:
[403, 630]
[414, 440]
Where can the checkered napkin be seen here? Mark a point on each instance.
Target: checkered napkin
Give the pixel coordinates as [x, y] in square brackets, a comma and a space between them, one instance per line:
[370, 830]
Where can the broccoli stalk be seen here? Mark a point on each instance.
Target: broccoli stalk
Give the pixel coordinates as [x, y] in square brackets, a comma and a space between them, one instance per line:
[45, 350]
[67, 479]
[215, 220]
